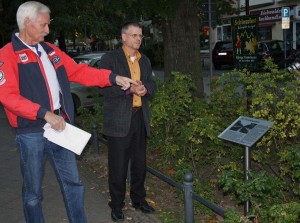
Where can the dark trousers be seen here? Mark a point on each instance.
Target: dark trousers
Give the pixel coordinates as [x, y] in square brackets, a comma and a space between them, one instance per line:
[120, 150]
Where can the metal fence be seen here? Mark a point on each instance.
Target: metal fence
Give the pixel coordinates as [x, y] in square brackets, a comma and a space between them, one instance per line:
[189, 195]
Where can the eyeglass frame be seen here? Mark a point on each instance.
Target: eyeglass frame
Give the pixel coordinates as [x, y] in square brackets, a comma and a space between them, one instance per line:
[135, 35]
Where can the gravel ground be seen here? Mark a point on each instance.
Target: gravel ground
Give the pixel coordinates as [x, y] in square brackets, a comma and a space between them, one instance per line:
[94, 167]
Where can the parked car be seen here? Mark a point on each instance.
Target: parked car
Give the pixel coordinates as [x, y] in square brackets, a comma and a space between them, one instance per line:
[92, 59]
[222, 54]
[72, 52]
[82, 95]
[273, 49]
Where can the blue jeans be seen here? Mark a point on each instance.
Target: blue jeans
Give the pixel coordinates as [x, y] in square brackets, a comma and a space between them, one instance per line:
[34, 149]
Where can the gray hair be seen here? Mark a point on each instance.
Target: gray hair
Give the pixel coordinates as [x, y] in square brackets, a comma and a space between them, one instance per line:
[30, 10]
[126, 26]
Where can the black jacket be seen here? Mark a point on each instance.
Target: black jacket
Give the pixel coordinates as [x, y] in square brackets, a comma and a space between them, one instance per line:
[117, 109]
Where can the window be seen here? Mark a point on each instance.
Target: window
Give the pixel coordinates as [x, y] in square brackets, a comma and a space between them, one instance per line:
[265, 33]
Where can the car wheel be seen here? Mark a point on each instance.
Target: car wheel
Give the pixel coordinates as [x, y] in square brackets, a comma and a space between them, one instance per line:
[76, 102]
[217, 66]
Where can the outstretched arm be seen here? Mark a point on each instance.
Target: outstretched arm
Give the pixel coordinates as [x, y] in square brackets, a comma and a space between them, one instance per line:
[125, 82]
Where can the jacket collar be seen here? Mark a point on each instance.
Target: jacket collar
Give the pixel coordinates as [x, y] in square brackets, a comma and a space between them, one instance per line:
[18, 45]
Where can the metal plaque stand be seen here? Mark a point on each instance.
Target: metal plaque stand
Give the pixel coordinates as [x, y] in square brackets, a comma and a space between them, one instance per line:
[246, 131]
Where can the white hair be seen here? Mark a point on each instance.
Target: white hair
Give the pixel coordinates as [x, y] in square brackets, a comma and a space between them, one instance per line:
[30, 10]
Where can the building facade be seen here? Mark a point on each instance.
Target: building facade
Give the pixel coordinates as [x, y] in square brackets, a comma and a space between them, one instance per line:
[270, 20]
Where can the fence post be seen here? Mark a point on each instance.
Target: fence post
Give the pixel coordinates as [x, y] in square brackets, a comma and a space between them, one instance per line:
[95, 141]
[188, 198]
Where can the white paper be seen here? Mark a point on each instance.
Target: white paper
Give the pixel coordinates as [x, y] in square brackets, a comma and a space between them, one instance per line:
[71, 138]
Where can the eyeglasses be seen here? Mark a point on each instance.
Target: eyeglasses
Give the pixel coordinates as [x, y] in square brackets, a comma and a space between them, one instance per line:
[135, 35]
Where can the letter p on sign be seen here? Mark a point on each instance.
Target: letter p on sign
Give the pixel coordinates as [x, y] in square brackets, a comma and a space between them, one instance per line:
[285, 12]
[285, 17]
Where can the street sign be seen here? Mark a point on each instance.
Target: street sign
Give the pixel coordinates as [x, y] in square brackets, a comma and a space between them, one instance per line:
[285, 12]
[285, 16]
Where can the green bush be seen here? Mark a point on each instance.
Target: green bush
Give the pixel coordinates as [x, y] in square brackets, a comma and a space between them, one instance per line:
[185, 133]
[290, 167]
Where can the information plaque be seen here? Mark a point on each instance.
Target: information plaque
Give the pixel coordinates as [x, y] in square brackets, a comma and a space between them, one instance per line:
[246, 131]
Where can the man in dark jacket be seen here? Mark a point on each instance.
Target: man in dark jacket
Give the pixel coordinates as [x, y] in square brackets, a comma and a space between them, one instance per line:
[34, 86]
[126, 121]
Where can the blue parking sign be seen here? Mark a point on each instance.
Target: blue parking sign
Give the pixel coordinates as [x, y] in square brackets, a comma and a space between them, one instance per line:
[285, 12]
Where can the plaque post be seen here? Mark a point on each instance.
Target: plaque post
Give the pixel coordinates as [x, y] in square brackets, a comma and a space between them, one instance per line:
[246, 131]
[246, 171]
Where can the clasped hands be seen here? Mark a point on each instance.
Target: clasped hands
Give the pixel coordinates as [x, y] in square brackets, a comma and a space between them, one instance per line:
[138, 89]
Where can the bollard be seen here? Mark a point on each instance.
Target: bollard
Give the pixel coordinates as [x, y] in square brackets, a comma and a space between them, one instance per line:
[95, 141]
[188, 198]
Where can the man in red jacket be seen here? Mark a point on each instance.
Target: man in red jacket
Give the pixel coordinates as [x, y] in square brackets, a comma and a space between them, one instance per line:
[34, 86]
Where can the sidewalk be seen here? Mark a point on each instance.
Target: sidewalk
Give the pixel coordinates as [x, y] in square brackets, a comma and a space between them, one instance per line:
[54, 211]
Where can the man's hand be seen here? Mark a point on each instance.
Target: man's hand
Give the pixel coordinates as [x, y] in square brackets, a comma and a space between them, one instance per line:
[139, 90]
[57, 122]
[124, 82]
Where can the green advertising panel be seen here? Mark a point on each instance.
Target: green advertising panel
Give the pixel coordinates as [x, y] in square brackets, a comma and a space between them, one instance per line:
[244, 39]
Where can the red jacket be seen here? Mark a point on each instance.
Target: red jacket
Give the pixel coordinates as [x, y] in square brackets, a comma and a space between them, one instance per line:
[24, 90]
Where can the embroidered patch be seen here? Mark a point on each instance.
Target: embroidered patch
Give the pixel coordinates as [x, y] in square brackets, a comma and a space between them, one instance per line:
[56, 59]
[2, 78]
[23, 57]
[1, 63]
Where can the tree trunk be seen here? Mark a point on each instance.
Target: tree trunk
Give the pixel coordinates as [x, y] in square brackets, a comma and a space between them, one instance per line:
[182, 43]
[62, 41]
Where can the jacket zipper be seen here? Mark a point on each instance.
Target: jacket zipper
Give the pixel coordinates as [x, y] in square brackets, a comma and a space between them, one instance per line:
[64, 108]
[46, 81]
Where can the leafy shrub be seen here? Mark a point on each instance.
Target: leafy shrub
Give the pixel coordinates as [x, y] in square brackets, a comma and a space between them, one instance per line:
[169, 111]
[185, 132]
[290, 167]
[285, 213]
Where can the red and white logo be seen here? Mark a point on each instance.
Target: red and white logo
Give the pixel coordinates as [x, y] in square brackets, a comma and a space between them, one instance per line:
[2, 78]
[23, 57]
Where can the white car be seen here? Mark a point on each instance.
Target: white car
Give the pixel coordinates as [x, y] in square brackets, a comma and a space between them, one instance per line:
[84, 96]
